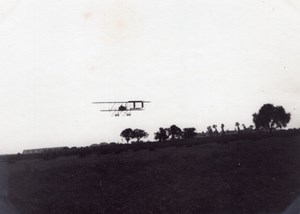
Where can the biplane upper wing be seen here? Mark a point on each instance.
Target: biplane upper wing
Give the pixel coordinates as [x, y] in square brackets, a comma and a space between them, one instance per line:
[138, 101]
[131, 101]
[109, 102]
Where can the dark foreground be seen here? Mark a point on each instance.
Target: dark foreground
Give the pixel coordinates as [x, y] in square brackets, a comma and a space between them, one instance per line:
[5, 206]
[258, 176]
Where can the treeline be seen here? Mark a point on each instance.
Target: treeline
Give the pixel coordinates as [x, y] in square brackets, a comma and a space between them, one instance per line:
[268, 119]
[163, 134]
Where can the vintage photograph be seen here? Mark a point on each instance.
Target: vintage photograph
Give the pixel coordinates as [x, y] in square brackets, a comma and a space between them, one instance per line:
[149, 107]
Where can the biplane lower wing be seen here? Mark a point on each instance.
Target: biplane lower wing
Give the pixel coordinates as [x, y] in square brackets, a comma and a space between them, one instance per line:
[132, 109]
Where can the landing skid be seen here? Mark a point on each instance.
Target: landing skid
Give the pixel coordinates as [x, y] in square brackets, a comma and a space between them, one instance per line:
[123, 113]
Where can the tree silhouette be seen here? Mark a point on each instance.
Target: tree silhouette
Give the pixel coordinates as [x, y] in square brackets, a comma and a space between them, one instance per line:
[270, 117]
[138, 134]
[222, 127]
[209, 130]
[175, 132]
[237, 124]
[244, 127]
[161, 135]
[281, 118]
[216, 130]
[189, 132]
[127, 134]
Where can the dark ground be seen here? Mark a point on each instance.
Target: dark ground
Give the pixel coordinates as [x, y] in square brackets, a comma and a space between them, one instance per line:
[5, 205]
[258, 176]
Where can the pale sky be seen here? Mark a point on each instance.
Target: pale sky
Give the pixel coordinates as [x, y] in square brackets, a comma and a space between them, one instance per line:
[200, 62]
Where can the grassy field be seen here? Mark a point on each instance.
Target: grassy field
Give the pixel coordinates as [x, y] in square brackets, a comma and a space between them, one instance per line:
[249, 176]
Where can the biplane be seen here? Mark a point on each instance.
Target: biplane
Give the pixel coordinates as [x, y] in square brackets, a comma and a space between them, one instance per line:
[123, 108]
